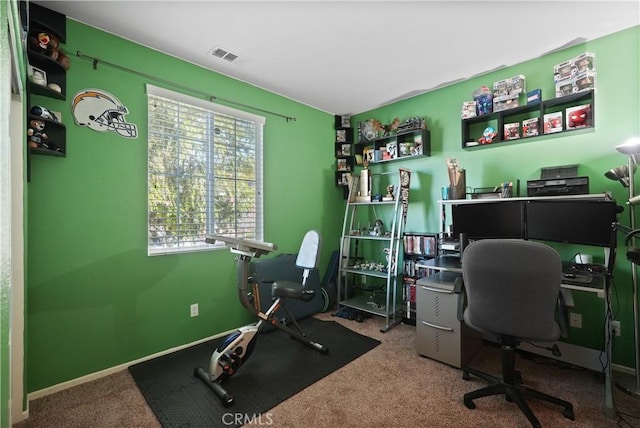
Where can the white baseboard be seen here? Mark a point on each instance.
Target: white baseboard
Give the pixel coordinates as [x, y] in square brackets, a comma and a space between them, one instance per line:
[111, 370]
[623, 369]
[580, 356]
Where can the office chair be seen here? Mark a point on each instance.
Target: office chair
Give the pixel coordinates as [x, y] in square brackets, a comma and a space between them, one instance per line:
[512, 289]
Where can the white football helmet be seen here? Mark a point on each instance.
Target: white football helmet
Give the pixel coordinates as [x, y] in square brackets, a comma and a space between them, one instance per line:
[101, 111]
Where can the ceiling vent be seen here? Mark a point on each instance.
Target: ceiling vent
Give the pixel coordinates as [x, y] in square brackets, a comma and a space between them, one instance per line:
[224, 54]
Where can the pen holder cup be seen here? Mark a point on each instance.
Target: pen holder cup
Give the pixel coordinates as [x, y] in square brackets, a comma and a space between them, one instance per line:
[459, 190]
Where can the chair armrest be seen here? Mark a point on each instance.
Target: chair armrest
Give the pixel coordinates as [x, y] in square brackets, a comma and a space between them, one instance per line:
[458, 288]
[458, 285]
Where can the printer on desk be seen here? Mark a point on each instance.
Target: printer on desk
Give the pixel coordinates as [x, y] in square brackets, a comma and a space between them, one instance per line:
[558, 181]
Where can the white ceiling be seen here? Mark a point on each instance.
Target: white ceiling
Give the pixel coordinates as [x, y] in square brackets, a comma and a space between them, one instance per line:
[346, 57]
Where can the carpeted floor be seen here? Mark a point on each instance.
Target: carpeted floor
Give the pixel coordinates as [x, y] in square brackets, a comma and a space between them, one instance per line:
[390, 386]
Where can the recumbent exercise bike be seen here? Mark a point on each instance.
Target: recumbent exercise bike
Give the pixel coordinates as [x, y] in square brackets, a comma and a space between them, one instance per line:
[236, 348]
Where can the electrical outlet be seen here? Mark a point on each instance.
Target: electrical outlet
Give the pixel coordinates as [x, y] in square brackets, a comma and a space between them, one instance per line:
[194, 310]
[575, 320]
[615, 326]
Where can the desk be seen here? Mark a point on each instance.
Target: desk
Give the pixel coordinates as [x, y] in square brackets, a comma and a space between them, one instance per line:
[570, 219]
[463, 345]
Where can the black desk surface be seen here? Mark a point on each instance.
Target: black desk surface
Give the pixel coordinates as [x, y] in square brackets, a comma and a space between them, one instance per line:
[571, 275]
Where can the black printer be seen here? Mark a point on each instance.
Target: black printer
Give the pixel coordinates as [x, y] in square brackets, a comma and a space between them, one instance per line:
[558, 181]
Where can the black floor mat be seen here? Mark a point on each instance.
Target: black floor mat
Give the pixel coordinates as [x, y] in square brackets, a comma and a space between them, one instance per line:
[278, 368]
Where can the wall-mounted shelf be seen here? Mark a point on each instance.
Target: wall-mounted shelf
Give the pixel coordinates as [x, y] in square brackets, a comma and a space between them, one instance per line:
[472, 128]
[343, 153]
[55, 74]
[57, 133]
[53, 23]
[402, 145]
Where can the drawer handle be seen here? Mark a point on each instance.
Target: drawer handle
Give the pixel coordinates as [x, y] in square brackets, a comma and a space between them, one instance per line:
[436, 290]
[439, 327]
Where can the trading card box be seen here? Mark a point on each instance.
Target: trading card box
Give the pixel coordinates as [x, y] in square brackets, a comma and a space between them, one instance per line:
[553, 122]
[578, 116]
[530, 127]
[511, 131]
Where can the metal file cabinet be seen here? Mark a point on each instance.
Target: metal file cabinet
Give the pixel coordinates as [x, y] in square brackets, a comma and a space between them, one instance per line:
[439, 334]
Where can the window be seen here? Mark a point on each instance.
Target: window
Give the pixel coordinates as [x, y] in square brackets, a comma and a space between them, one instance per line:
[204, 172]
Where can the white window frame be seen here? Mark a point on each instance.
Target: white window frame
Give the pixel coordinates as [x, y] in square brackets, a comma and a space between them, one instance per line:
[205, 142]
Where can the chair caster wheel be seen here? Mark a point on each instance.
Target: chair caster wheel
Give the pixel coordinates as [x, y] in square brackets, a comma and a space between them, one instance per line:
[469, 403]
[568, 413]
[465, 376]
[518, 377]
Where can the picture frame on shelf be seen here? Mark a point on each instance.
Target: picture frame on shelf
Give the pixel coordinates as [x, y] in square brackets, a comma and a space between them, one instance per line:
[392, 150]
[343, 165]
[342, 121]
[367, 155]
[405, 149]
[37, 75]
[341, 135]
[344, 179]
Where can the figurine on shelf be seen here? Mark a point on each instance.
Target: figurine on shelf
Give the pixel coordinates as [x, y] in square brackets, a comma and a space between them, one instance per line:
[40, 43]
[392, 127]
[488, 135]
[378, 128]
[36, 138]
[390, 257]
[389, 195]
[377, 229]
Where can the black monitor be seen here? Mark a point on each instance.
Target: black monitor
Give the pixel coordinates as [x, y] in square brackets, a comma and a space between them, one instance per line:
[585, 222]
[484, 220]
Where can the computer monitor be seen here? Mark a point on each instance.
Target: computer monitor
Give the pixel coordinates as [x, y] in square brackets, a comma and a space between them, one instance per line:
[484, 220]
[585, 222]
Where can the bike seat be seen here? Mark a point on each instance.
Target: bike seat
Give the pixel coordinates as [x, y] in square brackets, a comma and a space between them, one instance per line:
[292, 290]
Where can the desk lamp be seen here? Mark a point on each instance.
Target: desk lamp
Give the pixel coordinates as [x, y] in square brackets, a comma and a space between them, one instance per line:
[620, 173]
[631, 148]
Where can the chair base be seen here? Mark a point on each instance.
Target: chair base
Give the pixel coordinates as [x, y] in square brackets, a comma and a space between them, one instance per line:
[512, 388]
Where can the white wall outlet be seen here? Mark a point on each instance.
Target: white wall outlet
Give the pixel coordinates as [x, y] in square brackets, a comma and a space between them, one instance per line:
[194, 310]
[575, 320]
[615, 326]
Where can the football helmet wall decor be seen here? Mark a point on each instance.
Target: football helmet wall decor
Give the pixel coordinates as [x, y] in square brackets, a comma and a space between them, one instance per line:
[101, 111]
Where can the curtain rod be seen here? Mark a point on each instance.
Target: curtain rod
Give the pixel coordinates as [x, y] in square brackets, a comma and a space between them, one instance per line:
[96, 61]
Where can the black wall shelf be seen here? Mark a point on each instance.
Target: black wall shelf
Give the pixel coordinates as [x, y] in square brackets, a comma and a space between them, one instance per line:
[407, 144]
[41, 19]
[473, 127]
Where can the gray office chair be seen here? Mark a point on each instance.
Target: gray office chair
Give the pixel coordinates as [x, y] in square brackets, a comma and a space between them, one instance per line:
[512, 288]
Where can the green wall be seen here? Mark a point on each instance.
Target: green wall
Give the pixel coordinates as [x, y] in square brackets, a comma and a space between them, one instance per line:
[96, 300]
[94, 297]
[617, 117]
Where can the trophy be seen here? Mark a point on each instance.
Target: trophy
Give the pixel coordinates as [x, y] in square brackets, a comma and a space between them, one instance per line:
[364, 192]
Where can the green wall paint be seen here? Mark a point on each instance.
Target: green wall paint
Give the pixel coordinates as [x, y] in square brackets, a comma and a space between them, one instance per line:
[617, 116]
[94, 297]
[95, 300]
